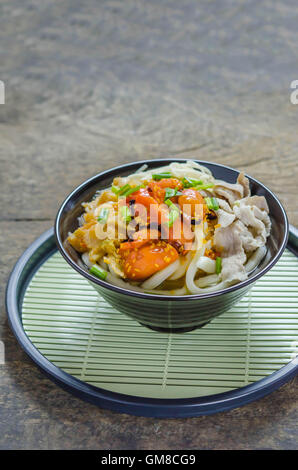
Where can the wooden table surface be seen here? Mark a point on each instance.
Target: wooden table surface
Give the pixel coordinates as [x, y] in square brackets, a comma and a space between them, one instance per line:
[90, 85]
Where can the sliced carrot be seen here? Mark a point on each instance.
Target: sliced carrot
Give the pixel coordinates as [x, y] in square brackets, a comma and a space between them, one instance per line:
[145, 205]
[191, 198]
[126, 247]
[169, 183]
[149, 259]
[140, 238]
[142, 197]
[158, 188]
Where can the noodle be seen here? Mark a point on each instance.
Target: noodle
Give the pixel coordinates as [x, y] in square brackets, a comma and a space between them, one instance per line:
[207, 281]
[255, 259]
[160, 276]
[183, 266]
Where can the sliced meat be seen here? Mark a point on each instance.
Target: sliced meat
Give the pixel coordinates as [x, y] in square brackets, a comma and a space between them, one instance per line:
[227, 241]
[253, 213]
[230, 192]
[244, 183]
[249, 242]
[224, 219]
[233, 270]
[224, 205]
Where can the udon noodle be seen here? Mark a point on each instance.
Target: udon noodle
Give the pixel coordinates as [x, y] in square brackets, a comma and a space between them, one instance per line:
[173, 230]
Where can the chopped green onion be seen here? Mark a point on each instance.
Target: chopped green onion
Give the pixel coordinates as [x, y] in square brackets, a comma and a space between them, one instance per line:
[205, 186]
[170, 203]
[218, 265]
[215, 203]
[160, 176]
[124, 188]
[98, 272]
[197, 184]
[172, 217]
[208, 202]
[103, 215]
[125, 214]
[131, 190]
[170, 192]
[212, 203]
[115, 189]
[172, 206]
[190, 183]
[174, 212]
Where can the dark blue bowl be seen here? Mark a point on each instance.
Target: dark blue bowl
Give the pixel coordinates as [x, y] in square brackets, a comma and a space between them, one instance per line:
[169, 313]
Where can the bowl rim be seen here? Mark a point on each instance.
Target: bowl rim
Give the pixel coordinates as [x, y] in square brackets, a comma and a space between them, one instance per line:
[143, 295]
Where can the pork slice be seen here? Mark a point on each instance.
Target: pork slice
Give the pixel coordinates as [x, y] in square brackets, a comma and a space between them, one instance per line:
[230, 192]
[253, 213]
[244, 183]
[228, 241]
[224, 219]
[223, 204]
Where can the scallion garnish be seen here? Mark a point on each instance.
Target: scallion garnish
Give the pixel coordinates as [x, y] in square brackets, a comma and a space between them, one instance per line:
[208, 202]
[205, 186]
[98, 272]
[170, 203]
[103, 215]
[170, 192]
[131, 190]
[212, 203]
[174, 212]
[124, 188]
[115, 190]
[218, 265]
[172, 217]
[197, 184]
[160, 176]
[215, 203]
[190, 183]
[125, 213]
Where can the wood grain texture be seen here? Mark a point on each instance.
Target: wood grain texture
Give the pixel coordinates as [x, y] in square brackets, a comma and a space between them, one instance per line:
[90, 85]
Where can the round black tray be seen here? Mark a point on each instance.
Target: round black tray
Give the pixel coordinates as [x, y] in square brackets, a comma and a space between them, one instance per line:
[27, 265]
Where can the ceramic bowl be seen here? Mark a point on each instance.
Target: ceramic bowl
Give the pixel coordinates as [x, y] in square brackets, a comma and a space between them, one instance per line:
[168, 313]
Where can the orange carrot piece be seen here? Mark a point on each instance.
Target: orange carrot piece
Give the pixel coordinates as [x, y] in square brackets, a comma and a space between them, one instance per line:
[149, 259]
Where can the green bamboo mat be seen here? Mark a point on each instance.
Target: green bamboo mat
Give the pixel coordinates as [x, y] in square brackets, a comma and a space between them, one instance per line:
[74, 328]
